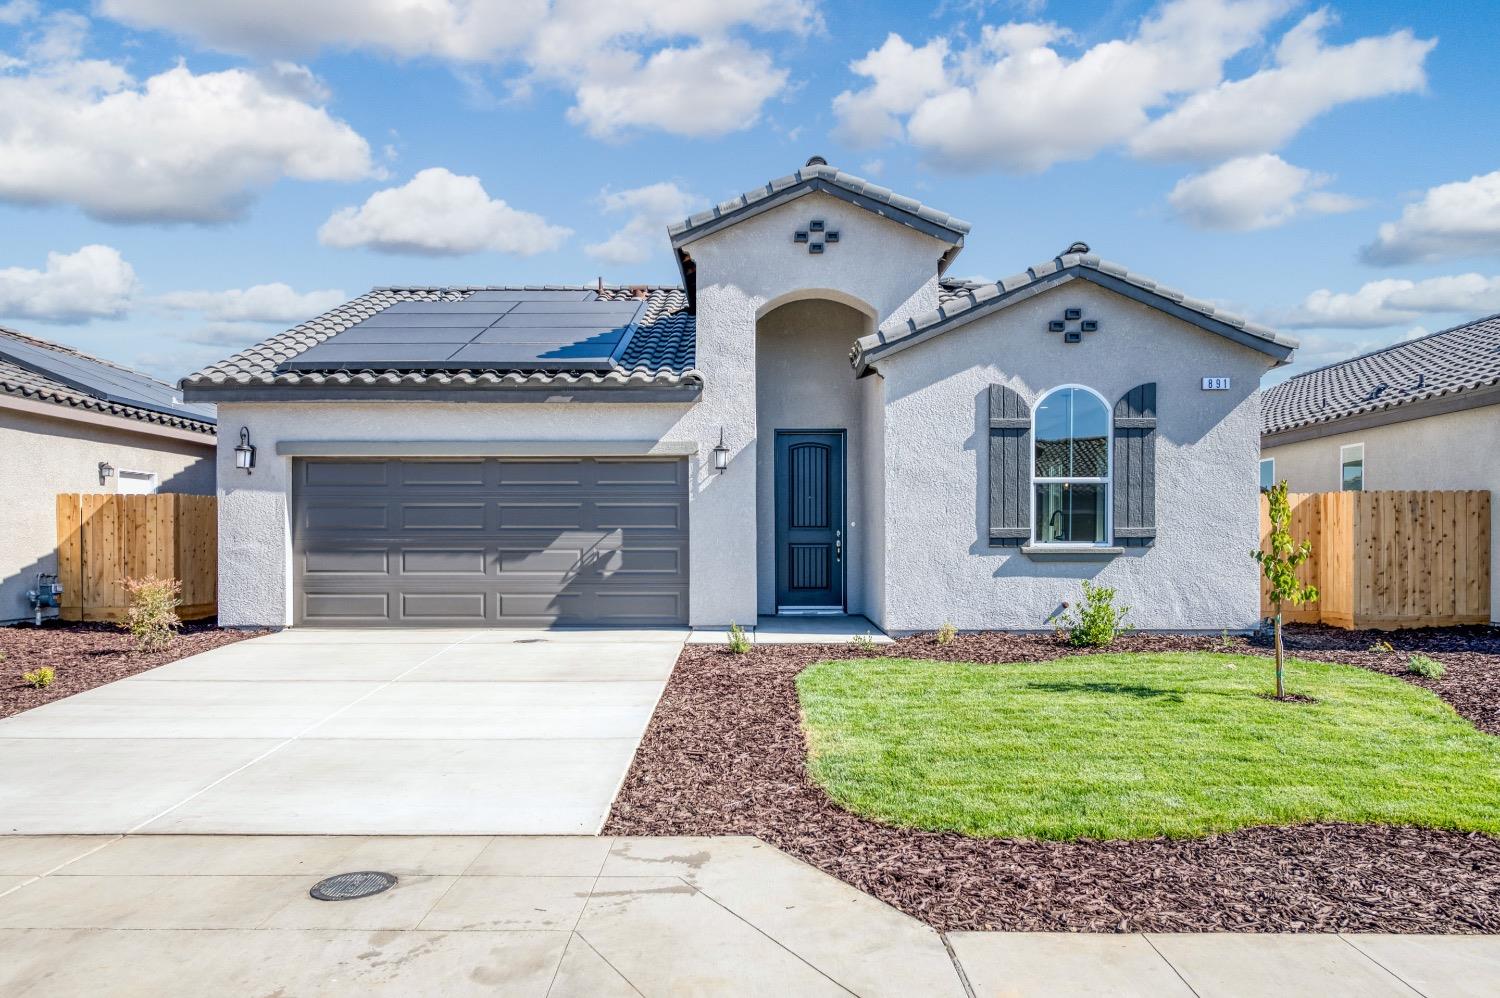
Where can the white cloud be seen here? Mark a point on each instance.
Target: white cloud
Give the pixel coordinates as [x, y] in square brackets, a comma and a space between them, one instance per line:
[1395, 301]
[94, 282]
[903, 77]
[275, 302]
[1267, 108]
[1016, 101]
[1451, 220]
[448, 29]
[651, 209]
[704, 90]
[1253, 192]
[677, 67]
[176, 147]
[442, 214]
[17, 11]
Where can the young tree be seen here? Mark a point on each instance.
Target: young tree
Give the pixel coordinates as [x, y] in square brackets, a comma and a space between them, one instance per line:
[1279, 565]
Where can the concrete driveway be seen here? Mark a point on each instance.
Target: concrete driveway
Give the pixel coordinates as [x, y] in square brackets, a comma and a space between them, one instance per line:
[364, 732]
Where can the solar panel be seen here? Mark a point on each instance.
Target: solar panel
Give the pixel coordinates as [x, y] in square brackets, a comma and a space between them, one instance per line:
[104, 381]
[526, 330]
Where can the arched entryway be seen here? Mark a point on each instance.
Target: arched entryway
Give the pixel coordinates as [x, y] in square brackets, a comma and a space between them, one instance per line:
[814, 479]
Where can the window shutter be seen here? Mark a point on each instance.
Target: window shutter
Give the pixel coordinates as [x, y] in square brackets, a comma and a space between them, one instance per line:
[1135, 467]
[1010, 467]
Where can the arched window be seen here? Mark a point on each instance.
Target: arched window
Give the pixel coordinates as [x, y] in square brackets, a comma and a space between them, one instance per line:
[1071, 468]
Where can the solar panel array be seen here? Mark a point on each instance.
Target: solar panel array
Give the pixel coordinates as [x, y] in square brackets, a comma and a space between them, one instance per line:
[105, 381]
[504, 330]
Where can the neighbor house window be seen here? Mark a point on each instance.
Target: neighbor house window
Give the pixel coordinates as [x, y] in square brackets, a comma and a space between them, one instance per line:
[1267, 473]
[135, 483]
[1070, 470]
[1352, 467]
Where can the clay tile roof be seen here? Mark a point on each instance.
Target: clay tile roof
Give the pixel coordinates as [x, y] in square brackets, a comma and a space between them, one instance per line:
[962, 301]
[661, 353]
[23, 382]
[1451, 361]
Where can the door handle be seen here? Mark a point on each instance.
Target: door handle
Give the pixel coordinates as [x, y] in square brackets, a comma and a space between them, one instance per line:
[838, 546]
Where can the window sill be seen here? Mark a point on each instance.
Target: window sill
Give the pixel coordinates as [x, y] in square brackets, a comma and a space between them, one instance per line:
[1059, 552]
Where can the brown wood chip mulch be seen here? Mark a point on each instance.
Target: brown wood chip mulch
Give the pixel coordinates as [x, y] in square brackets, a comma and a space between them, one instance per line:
[723, 755]
[85, 656]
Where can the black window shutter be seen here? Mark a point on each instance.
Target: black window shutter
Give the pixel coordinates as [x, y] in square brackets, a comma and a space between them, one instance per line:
[1135, 467]
[1010, 467]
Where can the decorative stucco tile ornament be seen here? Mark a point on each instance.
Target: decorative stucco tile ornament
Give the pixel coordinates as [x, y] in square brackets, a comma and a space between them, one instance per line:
[1073, 325]
[817, 236]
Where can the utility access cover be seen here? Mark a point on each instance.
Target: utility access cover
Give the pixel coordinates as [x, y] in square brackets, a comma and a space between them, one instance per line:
[349, 886]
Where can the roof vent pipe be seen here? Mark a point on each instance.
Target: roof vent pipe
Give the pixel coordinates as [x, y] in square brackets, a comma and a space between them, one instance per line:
[816, 161]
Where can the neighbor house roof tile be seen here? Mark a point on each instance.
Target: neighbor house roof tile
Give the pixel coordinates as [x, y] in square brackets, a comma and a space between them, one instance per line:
[22, 382]
[1462, 359]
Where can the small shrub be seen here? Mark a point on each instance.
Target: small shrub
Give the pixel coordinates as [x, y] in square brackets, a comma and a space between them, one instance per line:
[1096, 621]
[39, 678]
[1427, 668]
[1384, 647]
[739, 641]
[865, 643]
[152, 618]
[1225, 641]
[946, 633]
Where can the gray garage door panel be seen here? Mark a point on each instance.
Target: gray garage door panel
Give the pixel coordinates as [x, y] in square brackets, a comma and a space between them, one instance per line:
[490, 541]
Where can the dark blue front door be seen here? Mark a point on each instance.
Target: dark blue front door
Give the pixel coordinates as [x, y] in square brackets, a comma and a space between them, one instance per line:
[810, 539]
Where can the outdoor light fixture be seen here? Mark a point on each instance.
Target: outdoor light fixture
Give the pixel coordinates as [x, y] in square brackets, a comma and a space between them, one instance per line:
[244, 454]
[721, 454]
[106, 472]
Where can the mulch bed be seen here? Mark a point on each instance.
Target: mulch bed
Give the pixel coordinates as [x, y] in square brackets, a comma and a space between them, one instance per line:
[86, 655]
[724, 756]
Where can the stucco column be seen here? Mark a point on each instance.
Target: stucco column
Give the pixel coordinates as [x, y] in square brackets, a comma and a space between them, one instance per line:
[723, 551]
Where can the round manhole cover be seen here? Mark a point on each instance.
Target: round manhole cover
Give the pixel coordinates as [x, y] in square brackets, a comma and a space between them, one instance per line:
[348, 886]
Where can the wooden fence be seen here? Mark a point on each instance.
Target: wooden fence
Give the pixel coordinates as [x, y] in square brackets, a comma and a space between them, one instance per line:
[104, 539]
[1390, 559]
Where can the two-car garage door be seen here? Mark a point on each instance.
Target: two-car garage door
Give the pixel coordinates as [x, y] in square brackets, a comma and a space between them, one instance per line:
[490, 541]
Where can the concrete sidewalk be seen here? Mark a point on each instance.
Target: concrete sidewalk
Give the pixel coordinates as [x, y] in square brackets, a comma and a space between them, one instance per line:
[165, 916]
[346, 732]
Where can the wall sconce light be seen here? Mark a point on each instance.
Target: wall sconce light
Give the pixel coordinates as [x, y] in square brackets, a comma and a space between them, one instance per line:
[721, 454]
[106, 472]
[244, 454]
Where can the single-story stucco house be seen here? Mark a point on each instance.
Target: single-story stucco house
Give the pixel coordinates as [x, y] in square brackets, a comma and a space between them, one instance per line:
[815, 421]
[1423, 414]
[70, 422]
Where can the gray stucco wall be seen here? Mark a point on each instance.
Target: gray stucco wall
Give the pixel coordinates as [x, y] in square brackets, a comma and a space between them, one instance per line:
[938, 562]
[804, 382]
[1455, 450]
[41, 456]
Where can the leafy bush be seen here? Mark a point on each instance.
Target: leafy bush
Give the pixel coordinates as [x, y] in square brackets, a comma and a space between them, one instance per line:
[152, 618]
[946, 633]
[1096, 621]
[1427, 668]
[39, 678]
[864, 642]
[739, 641]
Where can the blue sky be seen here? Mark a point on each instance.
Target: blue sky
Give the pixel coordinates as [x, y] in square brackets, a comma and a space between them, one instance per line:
[180, 179]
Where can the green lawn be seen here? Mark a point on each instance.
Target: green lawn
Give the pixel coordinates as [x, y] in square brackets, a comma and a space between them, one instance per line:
[1139, 745]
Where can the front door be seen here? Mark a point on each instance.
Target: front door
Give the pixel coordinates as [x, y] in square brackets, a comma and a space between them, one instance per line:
[810, 538]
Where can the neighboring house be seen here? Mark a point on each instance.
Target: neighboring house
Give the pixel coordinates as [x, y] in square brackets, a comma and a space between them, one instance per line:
[1424, 414]
[74, 423]
[550, 455]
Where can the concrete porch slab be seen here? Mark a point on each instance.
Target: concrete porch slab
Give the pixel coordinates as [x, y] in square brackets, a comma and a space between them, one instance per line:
[779, 630]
